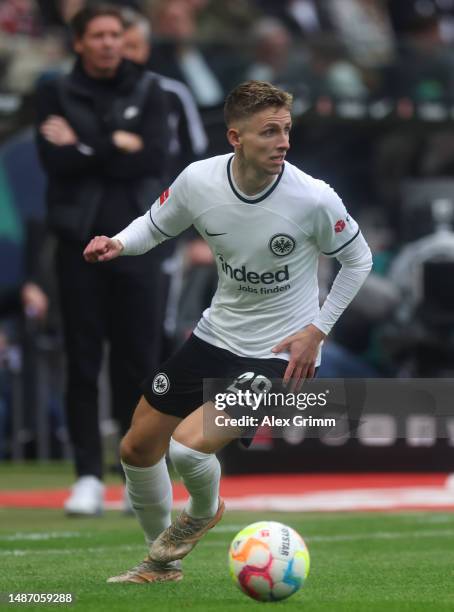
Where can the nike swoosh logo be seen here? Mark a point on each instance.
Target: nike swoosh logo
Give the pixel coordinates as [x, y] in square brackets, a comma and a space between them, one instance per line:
[210, 234]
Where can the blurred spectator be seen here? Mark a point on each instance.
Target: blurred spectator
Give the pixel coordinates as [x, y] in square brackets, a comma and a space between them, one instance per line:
[19, 17]
[321, 68]
[30, 301]
[272, 44]
[102, 139]
[362, 26]
[423, 73]
[25, 50]
[225, 21]
[187, 137]
[187, 142]
[302, 17]
[365, 29]
[177, 56]
[408, 15]
[424, 68]
[343, 35]
[446, 16]
[330, 72]
[29, 58]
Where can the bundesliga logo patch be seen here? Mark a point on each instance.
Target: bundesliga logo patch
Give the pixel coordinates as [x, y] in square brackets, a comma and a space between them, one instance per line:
[164, 196]
[340, 226]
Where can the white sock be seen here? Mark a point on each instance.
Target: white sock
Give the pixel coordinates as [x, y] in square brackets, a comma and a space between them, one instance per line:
[201, 474]
[150, 492]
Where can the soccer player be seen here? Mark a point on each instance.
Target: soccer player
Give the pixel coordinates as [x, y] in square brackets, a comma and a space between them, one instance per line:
[266, 223]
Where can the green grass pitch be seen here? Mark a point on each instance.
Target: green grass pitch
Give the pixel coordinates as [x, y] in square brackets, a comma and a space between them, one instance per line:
[359, 562]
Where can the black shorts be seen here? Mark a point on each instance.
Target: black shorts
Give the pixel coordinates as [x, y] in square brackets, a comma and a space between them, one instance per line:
[177, 387]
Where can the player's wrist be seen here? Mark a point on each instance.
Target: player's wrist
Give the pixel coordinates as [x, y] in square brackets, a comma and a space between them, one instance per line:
[316, 332]
[118, 244]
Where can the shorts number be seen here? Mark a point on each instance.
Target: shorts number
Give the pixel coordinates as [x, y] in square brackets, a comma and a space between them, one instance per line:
[259, 384]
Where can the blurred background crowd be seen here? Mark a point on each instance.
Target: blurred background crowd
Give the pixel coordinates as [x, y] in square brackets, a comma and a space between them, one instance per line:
[373, 83]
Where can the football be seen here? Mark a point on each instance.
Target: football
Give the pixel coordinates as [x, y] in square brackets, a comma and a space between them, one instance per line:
[268, 561]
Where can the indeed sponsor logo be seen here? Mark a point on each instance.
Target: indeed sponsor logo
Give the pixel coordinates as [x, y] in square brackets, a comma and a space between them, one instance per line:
[242, 274]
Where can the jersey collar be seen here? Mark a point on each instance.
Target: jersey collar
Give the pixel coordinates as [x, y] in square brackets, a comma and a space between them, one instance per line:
[255, 199]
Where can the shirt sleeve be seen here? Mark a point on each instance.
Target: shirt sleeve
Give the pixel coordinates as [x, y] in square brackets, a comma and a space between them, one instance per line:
[356, 260]
[168, 216]
[334, 228]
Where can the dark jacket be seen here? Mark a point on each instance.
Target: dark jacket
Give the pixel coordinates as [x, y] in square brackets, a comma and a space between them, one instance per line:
[188, 140]
[93, 187]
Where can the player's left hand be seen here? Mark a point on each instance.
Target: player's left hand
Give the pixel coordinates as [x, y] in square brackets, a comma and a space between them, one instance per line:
[303, 349]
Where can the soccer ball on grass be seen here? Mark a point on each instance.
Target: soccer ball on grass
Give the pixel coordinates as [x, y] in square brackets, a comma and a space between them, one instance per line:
[268, 561]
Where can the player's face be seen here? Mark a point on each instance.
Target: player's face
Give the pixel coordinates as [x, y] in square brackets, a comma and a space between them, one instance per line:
[101, 46]
[263, 140]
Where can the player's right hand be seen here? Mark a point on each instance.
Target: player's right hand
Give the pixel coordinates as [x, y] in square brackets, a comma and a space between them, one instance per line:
[101, 248]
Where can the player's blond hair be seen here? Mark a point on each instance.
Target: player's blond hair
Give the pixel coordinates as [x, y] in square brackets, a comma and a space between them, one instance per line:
[253, 96]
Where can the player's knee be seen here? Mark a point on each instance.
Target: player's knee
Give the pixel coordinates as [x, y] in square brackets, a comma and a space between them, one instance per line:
[132, 453]
[140, 452]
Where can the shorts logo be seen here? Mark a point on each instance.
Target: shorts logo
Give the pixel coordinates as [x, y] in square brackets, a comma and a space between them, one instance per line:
[161, 383]
[282, 244]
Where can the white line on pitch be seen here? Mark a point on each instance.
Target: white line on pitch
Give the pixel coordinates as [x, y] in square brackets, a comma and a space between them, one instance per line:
[377, 535]
[45, 535]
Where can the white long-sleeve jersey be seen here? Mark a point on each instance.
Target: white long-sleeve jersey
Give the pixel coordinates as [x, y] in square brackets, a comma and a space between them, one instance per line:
[266, 249]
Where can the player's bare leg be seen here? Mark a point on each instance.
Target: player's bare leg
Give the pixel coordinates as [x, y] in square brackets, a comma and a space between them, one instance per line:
[192, 451]
[143, 457]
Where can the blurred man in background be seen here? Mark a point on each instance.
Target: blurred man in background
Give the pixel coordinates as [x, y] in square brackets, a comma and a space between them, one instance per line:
[102, 141]
[188, 140]
[192, 263]
[177, 56]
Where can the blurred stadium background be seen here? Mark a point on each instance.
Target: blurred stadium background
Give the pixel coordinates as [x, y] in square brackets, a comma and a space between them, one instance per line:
[373, 82]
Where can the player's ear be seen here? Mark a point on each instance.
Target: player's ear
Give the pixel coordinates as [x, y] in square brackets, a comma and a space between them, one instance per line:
[233, 136]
